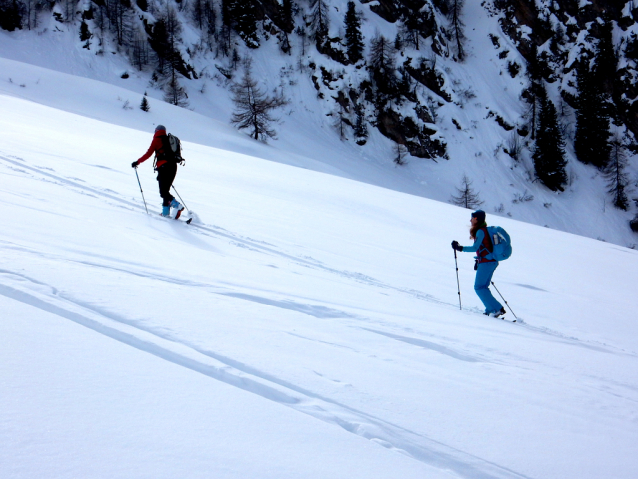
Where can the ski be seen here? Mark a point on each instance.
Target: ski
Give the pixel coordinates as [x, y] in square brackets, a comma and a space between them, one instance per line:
[188, 221]
[500, 317]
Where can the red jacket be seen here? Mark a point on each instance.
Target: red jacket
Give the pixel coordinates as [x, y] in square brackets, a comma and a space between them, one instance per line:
[156, 147]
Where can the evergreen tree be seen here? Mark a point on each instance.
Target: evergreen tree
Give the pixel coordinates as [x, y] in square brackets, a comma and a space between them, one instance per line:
[549, 155]
[245, 17]
[10, 15]
[287, 16]
[382, 67]
[617, 178]
[319, 23]
[466, 196]
[144, 106]
[164, 39]
[85, 33]
[227, 21]
[354, 38]
[606, 60]
[455, 12]
[253, 107]
[287, 25]
[591, 142]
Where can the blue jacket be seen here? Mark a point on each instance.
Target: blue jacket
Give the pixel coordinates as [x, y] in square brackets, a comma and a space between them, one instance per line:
[481, 247]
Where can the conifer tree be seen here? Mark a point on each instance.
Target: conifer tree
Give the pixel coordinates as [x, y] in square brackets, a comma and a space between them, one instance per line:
[354, 38]
[466, 196]
[10, 15]
[319, 23]
[227, 21]
[606, 60]
[85, 35]
[244, 14]
[591, 142]
[286, 15]
[455, 12]
[253, 107]
[144, 106]
[617, 178]
[382, 67]
[549, 155]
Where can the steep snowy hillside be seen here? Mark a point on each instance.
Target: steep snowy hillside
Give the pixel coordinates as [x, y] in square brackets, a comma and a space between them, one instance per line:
[473, 110]
[305, 325]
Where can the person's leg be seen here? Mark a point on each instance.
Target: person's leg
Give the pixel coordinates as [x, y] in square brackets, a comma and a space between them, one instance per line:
[165, 176]
[484, 274]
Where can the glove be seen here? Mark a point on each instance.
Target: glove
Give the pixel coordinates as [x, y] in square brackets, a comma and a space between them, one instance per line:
[135, 164]
[456, 246]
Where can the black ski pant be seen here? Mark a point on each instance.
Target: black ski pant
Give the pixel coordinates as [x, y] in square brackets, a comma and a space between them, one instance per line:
[165, 176]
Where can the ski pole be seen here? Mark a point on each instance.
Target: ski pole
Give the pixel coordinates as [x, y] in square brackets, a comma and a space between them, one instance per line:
[138, 182]
[180, 198]
[458, 286]
[499, 293]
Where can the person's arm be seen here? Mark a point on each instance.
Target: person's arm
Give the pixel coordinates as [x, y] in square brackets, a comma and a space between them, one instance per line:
[155, 145]
[477, 243]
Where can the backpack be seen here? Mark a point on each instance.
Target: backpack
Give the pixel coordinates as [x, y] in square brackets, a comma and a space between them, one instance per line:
[173, 149]
[501, 243]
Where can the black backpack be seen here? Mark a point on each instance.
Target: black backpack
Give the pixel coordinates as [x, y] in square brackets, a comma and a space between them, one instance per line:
[172, 149]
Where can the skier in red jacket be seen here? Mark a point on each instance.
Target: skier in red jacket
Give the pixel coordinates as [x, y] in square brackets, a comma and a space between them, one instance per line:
[166, 167]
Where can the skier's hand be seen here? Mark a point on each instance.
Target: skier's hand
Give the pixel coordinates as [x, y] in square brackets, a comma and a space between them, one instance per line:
[135, 164]
[456, 246]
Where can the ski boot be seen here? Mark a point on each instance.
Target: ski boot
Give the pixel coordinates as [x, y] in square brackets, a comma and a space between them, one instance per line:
[178, 206]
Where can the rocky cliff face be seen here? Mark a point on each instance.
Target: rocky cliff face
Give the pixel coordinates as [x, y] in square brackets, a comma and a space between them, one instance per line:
[565, 33]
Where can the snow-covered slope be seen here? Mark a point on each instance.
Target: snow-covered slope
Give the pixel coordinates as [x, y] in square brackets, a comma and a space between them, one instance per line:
[306, 325]
[481, 90]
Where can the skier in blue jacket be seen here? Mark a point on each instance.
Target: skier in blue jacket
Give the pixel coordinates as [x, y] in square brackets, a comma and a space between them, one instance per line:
[484, 265]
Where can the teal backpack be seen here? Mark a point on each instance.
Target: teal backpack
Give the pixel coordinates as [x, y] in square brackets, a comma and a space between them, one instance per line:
[501, 243]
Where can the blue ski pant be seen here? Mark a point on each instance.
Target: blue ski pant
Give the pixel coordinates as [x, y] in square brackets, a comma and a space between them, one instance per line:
[484, 274]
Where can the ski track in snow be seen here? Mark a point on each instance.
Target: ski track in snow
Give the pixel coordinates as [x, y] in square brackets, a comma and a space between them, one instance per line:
[234, 373]
[270, 249]
[167, 346]
[237, 374]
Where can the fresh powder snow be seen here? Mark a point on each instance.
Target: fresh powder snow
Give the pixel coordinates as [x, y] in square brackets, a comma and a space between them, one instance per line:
[304, 325]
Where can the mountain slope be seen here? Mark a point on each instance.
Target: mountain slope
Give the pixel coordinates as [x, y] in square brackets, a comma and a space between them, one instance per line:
[476, 123]
[305, 325]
